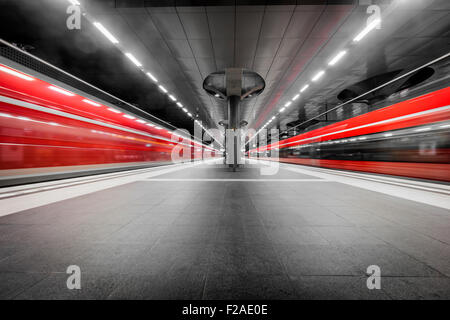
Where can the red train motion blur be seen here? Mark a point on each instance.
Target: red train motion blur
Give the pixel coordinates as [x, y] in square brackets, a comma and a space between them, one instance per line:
[410, 138]
[45, 128]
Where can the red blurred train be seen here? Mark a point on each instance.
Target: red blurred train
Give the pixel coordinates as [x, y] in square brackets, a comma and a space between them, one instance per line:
[45, 128]
[410, 138]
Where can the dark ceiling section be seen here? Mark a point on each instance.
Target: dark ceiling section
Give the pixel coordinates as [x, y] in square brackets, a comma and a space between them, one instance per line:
[40, 27]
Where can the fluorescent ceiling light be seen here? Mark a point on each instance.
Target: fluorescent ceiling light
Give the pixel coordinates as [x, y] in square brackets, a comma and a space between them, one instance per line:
[282, 109]
[67, 93]
[295, 97]
[162, 88]
[273, 117]
[152, 77]
[105, 32]
[423, 129]
[318, 75]
[179, 104]
[189, 114]
[337, 58]
[15, 73]
[367, 29]
[128, 116]
[133, 59]
[304, 88]
[74, 2]
[388, 134]
[172, 97]
[288, 104]
[185, 110]
[140, 121]
[92, 103]
[159, 128]
[113, 110]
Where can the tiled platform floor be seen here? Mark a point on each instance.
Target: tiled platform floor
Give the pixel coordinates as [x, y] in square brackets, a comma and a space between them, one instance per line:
[214, 239]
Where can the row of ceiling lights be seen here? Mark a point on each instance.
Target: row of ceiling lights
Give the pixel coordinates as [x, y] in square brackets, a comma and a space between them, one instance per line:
[71, 94]
[321, 73]
[133, 59]
[136, 62]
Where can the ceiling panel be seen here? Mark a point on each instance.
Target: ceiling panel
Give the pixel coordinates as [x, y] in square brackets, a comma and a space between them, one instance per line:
[141, 23]
[311, 46]
[246, 64]
[328, 22]
[195, 25]
[262, 63]
[267, 47]
[224, 48]
[188, 64]
[206, 65]
[280, 63]
[220, 24]
[194, 75]
[169, 25]
[311, 7]
[302, 23]
[274, 24]
[180, 48]
[223, 63]
[245, 49]
[248, 24]
[289, 47]
[156, 47]
[202, 48]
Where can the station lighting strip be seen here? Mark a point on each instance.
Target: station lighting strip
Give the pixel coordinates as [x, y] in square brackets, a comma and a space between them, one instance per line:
[138, 64]
[319, 74]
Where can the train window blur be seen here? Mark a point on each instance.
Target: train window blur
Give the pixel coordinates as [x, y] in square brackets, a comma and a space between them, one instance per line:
[400, 145]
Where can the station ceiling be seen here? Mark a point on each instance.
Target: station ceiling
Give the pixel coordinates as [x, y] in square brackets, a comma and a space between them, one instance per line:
[181, 42]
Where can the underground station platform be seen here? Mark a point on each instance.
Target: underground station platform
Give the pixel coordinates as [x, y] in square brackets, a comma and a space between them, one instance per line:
[204, 232]
[226, 159]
